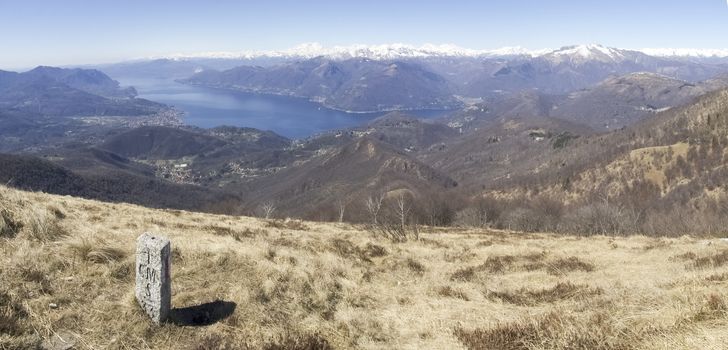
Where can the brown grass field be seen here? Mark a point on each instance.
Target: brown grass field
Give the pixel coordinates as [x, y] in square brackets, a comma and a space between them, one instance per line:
[67, 278]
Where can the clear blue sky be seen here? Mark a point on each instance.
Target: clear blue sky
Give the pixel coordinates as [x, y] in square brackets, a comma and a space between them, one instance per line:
[58, 32]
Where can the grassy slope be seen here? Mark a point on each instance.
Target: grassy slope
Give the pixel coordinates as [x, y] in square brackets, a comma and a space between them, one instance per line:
[303, 285]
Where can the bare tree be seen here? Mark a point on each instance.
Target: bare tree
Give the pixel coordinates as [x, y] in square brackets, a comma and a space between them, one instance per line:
[403, 210]
[435, 209]
[341, 206]
[475, 216]
[481, 214]
[374, 206]
[267, 209]
[392, 217]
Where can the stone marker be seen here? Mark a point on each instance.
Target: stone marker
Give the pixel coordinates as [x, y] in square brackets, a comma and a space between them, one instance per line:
[153, 280]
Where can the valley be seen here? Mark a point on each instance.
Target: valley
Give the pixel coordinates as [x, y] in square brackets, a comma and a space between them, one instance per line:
[518, 155]
[335, 175]
[288, 116]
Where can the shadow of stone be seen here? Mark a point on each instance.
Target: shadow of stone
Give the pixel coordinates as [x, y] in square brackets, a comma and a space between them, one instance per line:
[203, 314]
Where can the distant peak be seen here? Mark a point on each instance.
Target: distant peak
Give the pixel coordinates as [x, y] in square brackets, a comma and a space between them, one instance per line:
[684, 52]
[374, 52]
[45, 69]
[585, 53]
[588, 50]
[404, 51]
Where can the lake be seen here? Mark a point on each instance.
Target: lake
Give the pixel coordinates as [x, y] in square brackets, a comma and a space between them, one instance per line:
[288, 116]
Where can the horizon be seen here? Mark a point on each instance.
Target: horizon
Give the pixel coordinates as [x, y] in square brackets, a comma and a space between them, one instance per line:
[408, 174]
[305, 50]
[77, 32]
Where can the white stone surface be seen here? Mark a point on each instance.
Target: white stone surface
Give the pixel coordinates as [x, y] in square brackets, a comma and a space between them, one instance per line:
[153, 278]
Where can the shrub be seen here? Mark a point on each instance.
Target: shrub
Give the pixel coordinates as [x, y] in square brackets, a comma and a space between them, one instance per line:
[599, 219]
[521, 219]
[394, 231]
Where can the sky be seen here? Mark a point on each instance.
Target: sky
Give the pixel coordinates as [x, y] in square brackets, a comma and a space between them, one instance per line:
[67, 32]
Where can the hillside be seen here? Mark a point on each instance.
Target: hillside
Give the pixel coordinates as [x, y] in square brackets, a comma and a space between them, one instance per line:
[356, 85]
[622, 101]
[361, 78]
[501, 148]
[100, 175]
[613, 103]
[346, 175]
[238, 282]
[664, 175]
[47, 107]
[155, 142]
[89, 80]
[59, 92]
[159, 142]
[571, 68]
[407, 132]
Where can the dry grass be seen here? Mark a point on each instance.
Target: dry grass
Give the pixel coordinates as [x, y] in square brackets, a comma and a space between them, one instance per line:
[526, 262]
[450, 292]
[237, 235]
[288, 224]
[561, 291]
[95, 250]
[592, 329]
[554, 330]
[9, 227]
[696, 261]
[44, 225]
[299, 285]
[561, 266]
[713, 260]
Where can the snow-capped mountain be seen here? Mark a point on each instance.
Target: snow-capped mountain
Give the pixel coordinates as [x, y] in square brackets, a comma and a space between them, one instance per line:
[576, 67]
[587, 53]
[365, 78]
[698, 53]
[373, 52]
[569, 54]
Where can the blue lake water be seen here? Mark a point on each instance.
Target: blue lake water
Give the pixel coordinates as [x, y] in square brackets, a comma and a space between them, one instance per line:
[288, 116]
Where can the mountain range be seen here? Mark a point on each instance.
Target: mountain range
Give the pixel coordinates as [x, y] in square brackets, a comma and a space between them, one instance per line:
[49, 91]
[400, 51]
[667, 158]
[402, 82]
[527, 136]
[43, 105]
